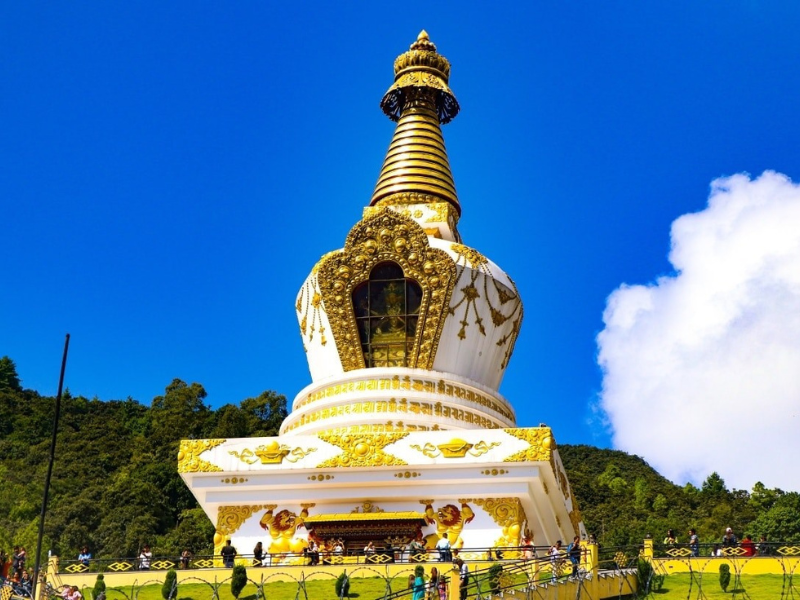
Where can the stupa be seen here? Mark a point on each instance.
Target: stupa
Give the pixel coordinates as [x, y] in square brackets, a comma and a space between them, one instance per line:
[402, 433]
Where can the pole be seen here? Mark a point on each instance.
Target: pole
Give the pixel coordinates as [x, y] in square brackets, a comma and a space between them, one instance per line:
[49, 470]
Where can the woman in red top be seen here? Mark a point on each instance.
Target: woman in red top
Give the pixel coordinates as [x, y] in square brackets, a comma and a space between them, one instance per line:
[748, 546]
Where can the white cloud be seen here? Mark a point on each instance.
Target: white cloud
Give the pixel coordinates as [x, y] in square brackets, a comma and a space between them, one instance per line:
[701, 370]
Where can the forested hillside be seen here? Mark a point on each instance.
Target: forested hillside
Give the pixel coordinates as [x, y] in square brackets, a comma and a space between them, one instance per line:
[115, 484]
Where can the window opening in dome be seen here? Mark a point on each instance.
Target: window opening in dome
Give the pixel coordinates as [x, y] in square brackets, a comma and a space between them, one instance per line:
[387, 310]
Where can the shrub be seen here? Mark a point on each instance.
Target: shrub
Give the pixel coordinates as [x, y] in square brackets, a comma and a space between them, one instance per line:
[342, 586]
[99, 586]
[648, 580]
[494, 577]
[238, 580]
[724, 576]
[170, 585]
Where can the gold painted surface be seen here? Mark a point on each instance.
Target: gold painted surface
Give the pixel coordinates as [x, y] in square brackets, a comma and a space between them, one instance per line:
[310, 308]
[420, 101]
[367, 507]
[455, 448]
[508, 514]
[540, 448]
[449, 519]
[282, 527]
[406, 383]
[362, 451]
[388, 427]
[789, 550]
[234, 480]
[122, 565]
[189, 460]
[272, 454]
[229, 519]
[394, 406]
[387, 237]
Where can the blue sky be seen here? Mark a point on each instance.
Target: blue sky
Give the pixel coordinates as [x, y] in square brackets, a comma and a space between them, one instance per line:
[171, 171]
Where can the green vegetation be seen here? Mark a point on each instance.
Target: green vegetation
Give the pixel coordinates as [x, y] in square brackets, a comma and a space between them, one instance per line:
[724, 576]
[116, 487]
[99, 586]
[238, 580]
[622, 500]
[170, 586]
[342, 587]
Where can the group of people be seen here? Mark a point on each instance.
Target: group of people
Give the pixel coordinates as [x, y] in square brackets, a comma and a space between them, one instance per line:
[559, 555]
[729, 540]
[434, 587]
[12, 568]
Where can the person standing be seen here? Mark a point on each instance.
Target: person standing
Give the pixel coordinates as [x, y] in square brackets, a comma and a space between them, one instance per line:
[749, 546]
[258, 554]
[574, 552]
[228, 553]
[729, 539]
[463, 578]
[443, 546]
[186, 558]
[671, 539]
[555, 559]
[419, 583]
[694, 543]
[145, 558]
[84, 556]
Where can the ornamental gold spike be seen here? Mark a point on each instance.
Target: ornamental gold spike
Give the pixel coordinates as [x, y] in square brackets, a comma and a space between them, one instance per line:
[416, 169]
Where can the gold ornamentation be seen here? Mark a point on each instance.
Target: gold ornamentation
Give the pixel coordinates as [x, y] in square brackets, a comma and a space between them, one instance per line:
[203, 563]
[282, 527]
[163, 565]
[395, 406]
[406, 383]
[455, 448]
[229, 519]
[789, 550]
[575, 518]
[472, 256]
[387, 237]
[449, 519]
[122, 565]
[678, 552]
[367, 507]
[310, 309]
[494, 472]
[408, 474]
[362, 451]
[233, 480]
[541, 444]
[78, 567]
[272, 454]
[320, 477]
[189, 460]
[508, 514]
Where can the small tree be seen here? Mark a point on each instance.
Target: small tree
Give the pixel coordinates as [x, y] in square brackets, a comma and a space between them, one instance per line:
[99, 587]
[342, 586]
[170, 585]
[238, 580]
[724, 576]
[494, 577]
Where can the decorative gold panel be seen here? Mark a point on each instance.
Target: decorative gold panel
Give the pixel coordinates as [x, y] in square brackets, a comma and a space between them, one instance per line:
[508, 514]
[362, 451]
[203, 563]
[229, 519]
[541, 444]
[77, 568]
[163, 565]
[387, 237]
[678, 552]
[189, 460]
[789, 550]
[122, 565]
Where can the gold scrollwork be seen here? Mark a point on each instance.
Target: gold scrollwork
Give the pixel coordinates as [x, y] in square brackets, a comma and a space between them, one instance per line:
[367, 507]
[494, 472]
[271, 454]
[540, 444]
[362, 450]
[455, 448]
[309, 307]
[508, 514]
[387, 236]
[189, 460]
[229, 520]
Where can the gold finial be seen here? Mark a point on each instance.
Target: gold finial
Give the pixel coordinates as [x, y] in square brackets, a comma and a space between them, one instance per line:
[420, 101]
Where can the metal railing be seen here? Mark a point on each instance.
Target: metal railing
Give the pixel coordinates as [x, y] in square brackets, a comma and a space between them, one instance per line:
[379, 557]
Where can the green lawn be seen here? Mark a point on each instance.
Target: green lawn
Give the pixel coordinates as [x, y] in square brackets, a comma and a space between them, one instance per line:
[752, 587]
[362, 588]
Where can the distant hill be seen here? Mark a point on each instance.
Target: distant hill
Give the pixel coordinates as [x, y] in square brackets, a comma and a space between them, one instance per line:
[115, 483]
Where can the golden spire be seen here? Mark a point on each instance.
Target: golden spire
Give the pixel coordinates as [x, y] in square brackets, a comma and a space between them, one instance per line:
[416, 169]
